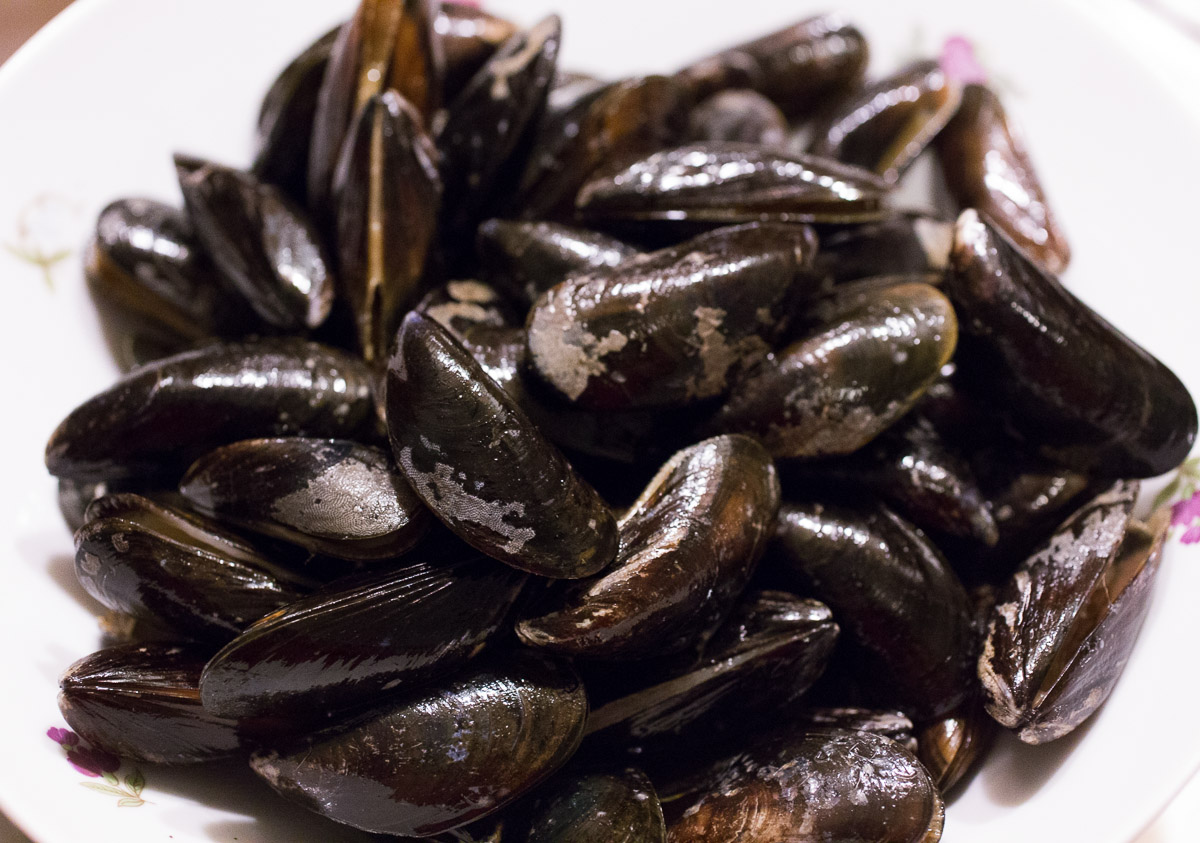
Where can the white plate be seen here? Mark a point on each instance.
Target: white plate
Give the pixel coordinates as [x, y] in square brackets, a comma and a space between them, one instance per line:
[92, 108]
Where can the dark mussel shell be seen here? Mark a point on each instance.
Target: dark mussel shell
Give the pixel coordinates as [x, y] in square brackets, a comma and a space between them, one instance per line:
[839, 388]
[152, 283]
[688, 547]
[987, 168]
[627, 121]
[386, 196]
[1065, 623]
[738, 115]
[901, 244]
[599, 808]
[799, 68]
[261, 241]
[767, 653]
[891, 591]
[356, 639]
[166, 414]
[285, 121]
[143, 703]
[725, 183]
[330, 496]
[672, 326]
[151, 561]
[1064, 379]
[387, 45]
[916, 471]
[887, 125]
[528, 258]
[951, 746]
[488, 120]
[440, 758]
[819, 784]
[469, 37]
[479, 463]
[75, 497]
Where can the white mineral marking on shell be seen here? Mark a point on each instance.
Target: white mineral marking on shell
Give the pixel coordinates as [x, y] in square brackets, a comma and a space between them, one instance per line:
[717, 355]
[445, 314]
[566, 354]
[90, 564]
[456, 502]
[120, 542]
[352, 503]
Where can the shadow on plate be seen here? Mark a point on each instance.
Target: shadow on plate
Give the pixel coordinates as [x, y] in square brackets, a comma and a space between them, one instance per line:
[263, 816]
[1016, 771]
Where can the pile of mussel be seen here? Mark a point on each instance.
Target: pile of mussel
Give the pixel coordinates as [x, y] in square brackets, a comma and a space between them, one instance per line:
[515, 455]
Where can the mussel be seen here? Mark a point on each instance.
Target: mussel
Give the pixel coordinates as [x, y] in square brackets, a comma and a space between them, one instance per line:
[328, 495]
[819, 784]
[599, 808]
[261, 241]
[688, 546]
[1065, 622]
[166, 414]
[438, 759]
[672, 326]
[479, 463]
[836, 390]
[343, 646]
[1065, 380]
[143, 702]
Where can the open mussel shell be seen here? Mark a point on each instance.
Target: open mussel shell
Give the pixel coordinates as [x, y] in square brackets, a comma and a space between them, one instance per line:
[143, 703]
[890, 122]
[1064, 379]
[487, 121]
[469, 36]
[478, 462]
[166, 414]
[191, 574]
[738, 115]
[1065, 623]
[440, 758]
[799, 68]
[688, 546]
[986, 167]
[387, 45]
[330, 496]
[900, 244]
[528, 258]
[261, 241]
[343, 646]
[725, 183]
[914, 619]
[618, 807]
[152, 283]
[816, 784]
[75, 497]
[672, 326]
[285, 120]
[627, 121]
[767, 653]
[386, 194]
[836, 390]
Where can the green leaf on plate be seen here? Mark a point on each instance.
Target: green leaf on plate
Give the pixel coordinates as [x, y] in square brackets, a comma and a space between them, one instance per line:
[130, 802]
[135, 781]
[104, 788]
[1168, 493]
[111, 779]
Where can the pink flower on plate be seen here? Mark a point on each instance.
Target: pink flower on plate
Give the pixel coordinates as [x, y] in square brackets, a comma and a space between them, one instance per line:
[62, 737]
[959, 62]
[93, 762]
[1186, 513]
